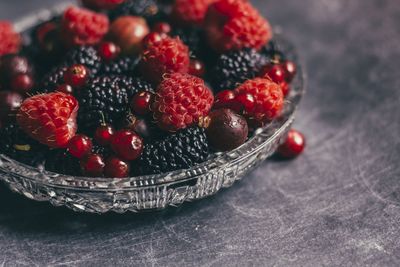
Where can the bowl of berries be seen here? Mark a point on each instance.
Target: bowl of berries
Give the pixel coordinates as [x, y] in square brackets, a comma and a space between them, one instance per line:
[116, 105]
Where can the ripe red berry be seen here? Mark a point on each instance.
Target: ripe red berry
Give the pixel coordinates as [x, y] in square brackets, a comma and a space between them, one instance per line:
[153, 38]
[80, 26]
[140, 104]
[22, 83]
[127, 145]
[169, 55]
[197, 68]
[246, 101]
[181, 101]
[190, 11]
[226, 130]
[13, 65]
[49, 118]
[285, 88]
[116, 168]
[80, 146]
[65, 88]
[235, 24]
[76, 75]
[104, 134]
[226, 99]
[268, 98]
[293, 146]
[10, 40]
[92, 165]
[290, 70]
[109, 51]
[275, 72]
[162, 27]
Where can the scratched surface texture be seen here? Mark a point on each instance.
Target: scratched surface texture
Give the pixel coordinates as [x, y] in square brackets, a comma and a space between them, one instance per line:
[337, 205]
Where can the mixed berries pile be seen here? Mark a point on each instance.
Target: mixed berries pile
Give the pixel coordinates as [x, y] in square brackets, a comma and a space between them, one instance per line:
[119, 88]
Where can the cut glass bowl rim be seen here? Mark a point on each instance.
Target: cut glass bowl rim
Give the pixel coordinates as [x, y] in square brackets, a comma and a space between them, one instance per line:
[217, 161]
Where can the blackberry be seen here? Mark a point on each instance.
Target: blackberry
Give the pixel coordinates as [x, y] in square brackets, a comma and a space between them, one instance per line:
[274, 52]
[104, 99]
[20, 147]
[149, 9]
[140, 85]
[51, 80]
[193, 38]
[181, 150]
[120, 66]
[235, 67]
[84, 55]
[61, 161]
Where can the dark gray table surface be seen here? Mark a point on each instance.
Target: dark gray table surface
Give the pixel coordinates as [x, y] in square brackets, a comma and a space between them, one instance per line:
[338, 204]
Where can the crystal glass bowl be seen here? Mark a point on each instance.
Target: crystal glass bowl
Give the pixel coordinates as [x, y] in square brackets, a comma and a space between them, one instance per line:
[152, 192]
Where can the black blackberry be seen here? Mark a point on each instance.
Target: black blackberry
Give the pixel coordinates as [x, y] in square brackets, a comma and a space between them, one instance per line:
[104, 99]
[17, 145]
[149, 9]
[120, 66]
[274, 51]
[181, 150]
[236, 67]
[51, 80]
[61, 161]
[84, 55]
[140, 85]
[193, 38]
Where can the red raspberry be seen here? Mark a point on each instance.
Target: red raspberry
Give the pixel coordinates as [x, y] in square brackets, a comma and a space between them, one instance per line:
[268, 99]
[181, 101]
[235, 24]
[102, 4]
[165, 56]
[10, 40]
[83, 27]
[49, 118]
[190, 11]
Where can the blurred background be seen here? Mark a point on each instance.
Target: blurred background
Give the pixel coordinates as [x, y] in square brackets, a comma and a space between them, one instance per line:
[338, 204]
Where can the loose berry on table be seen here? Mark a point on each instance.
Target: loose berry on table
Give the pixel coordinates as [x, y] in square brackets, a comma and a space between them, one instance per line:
[293, 146]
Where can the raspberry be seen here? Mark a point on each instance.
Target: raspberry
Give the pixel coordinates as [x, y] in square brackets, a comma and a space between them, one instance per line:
[10, 40]
[190, 11]
[235, 24]
[181, 101]
[268, 98]
[101, 4]
[166, 56]
[235, 67]
[181, 150]
[83, 27]
[49, 118]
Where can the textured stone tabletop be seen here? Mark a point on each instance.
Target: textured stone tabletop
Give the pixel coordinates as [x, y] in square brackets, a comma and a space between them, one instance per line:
[338, 204]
